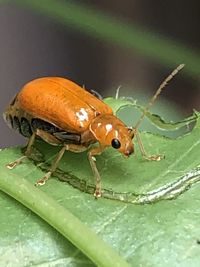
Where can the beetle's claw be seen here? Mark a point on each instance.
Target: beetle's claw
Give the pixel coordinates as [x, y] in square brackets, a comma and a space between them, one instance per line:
[13, 164]
[42, 181]
[97, 193]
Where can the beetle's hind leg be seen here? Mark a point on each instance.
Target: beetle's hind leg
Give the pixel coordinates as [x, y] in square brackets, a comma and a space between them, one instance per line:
[143, 152]
[44, 136]
[13, 164]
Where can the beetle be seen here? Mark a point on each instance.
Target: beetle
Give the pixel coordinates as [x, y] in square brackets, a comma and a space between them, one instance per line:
[64, 114]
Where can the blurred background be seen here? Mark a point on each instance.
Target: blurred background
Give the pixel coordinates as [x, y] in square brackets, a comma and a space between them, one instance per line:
[102, 44]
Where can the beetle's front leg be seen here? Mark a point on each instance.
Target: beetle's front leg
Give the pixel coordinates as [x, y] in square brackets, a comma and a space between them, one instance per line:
[143, 152]
[91, 156]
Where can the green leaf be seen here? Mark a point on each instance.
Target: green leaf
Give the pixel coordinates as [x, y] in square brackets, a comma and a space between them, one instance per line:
[134, 215]
[61, 219]
[159, 233]
[168, 126]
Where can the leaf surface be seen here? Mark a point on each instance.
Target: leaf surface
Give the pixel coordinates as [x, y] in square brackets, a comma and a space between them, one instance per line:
[159, 233]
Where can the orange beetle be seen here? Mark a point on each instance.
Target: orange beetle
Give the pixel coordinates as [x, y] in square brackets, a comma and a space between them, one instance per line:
[62, 113]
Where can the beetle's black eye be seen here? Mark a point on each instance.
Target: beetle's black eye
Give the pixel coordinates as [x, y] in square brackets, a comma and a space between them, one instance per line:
[115, 143]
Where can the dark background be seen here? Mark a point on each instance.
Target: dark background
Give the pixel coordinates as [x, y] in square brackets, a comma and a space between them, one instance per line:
[33, 45]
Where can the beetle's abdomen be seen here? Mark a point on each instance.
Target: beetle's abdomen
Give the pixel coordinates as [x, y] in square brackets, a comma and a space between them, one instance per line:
[21, 125]
[17, 119]
[61, 102]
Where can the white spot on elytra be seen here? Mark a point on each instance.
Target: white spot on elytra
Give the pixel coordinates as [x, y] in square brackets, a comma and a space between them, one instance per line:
[82, 115]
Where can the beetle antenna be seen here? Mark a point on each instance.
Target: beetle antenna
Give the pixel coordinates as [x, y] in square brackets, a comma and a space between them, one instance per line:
[159, 90]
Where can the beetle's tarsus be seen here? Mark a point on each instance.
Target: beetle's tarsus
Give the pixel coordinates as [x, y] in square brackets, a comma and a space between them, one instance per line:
[13, 164]
[43, 180]
[154, 157]
[97, 193]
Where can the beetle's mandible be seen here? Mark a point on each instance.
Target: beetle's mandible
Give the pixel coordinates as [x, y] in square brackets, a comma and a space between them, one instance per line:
[63, 114]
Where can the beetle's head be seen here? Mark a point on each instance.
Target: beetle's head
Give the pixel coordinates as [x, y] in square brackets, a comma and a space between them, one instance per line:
[110, 131]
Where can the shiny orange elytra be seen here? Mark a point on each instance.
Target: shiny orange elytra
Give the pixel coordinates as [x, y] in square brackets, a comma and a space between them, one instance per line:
[62, 113]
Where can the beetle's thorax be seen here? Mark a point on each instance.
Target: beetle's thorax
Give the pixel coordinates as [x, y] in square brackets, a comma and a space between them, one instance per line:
[107, 127]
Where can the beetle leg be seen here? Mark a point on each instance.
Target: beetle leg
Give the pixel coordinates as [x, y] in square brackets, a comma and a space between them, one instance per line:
[143, 152]
[69, 147]
[13, 164]
[43, 135]
[54, 165]
[91, 156]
